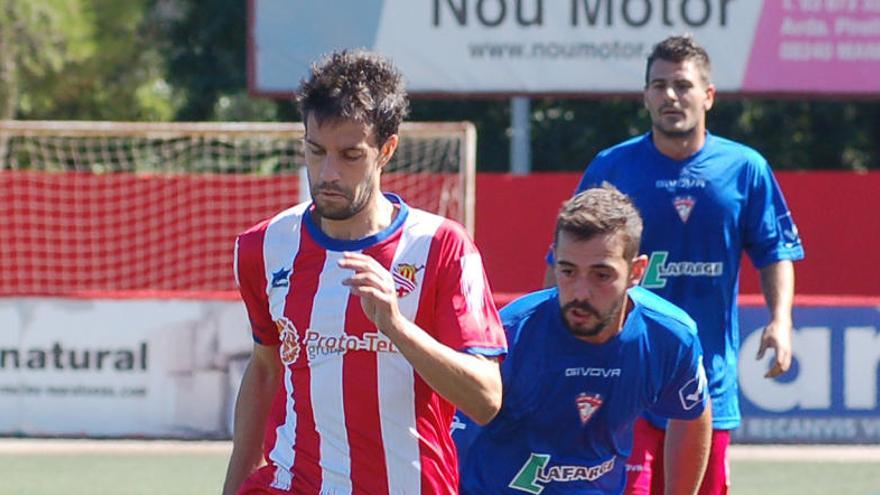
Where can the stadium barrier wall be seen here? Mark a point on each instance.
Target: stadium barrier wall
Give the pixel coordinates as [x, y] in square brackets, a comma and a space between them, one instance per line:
[836, 213]
[117, 367]
[159, 365]
[171, 368]
[829, 395]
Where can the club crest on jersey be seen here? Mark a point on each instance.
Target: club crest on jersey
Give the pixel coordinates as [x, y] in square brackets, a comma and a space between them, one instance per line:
[404, 275]
[684, 205]
[289, 340]
[587, 405]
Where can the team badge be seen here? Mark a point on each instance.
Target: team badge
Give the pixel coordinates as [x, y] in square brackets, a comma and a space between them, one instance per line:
[587, 405]
[289, 340]
[684, 205]
[404, 275]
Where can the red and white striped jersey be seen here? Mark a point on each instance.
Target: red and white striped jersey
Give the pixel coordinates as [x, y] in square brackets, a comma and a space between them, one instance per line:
[352, 415]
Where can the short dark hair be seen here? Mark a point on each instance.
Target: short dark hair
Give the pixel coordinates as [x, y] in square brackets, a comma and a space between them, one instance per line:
[600, 211]
[678, 49]
[355, 85]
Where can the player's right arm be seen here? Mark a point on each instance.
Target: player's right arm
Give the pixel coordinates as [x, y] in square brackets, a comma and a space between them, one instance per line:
[258, 388]
[471, 382]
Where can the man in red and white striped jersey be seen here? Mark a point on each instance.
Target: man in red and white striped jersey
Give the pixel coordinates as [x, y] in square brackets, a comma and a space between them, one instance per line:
[372, 320]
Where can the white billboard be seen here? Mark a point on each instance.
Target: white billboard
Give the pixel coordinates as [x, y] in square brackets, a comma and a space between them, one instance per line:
[572, 46]
[171, 368]
[831, 393]
[156, 368]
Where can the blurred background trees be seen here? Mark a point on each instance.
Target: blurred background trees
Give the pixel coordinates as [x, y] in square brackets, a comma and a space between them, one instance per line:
[82, 59]
[185, 60]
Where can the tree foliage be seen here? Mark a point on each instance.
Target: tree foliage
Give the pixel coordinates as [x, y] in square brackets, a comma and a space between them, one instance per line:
[86, 59]
[31, 48]
[205, 59]
[567, 133]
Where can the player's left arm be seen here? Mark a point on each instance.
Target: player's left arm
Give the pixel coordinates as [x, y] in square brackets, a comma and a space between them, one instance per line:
[777, 283]
[686, 450]
[471, 383]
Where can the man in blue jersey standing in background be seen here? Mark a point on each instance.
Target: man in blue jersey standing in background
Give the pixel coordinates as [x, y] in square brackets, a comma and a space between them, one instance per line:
[704, 200]
[585, 359]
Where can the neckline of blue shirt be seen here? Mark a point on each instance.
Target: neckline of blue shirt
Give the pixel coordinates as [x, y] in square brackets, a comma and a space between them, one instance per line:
[332, 244]
[649, 142]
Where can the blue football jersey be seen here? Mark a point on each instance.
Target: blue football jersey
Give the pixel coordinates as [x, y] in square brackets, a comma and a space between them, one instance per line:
[700, 214]
[565, 424]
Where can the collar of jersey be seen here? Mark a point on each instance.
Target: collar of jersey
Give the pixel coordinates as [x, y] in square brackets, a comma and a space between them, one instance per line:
[649, 140]
[332, 244]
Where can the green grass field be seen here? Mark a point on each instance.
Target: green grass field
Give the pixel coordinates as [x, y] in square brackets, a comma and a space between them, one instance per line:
[804, 478]
[116, 474]
[187, 469]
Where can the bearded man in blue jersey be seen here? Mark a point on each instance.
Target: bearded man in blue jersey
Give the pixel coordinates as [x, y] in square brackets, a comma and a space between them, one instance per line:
[584, 360]
[705, 200]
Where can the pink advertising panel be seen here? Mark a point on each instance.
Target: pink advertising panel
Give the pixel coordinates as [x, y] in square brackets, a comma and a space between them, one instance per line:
[816, 46]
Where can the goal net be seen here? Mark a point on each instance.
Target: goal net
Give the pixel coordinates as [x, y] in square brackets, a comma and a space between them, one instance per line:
[102, 207]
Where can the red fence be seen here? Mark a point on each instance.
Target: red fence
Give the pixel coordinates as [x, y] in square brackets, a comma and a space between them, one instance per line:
[76, 233]
[50, 244]
[837, 213]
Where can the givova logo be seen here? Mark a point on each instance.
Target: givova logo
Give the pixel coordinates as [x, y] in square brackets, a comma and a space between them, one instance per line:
[789, 230]
[658, 269]
[535, 471]
[693, 393]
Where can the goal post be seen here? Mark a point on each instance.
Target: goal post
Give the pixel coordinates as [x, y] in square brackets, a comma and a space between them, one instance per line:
[116, 206]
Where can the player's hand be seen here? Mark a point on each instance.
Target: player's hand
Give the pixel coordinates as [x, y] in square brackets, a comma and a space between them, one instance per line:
[375, 287]
[777, 335]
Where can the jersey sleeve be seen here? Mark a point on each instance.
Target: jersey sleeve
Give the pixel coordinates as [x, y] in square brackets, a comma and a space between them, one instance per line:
[591, 178]
[685, 393]
[513, 316]
[465, 315]
[770, 234]
[250, 276]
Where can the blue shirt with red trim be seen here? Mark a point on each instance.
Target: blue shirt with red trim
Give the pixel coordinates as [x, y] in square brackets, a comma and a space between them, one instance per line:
[699, 215]
[565, 424]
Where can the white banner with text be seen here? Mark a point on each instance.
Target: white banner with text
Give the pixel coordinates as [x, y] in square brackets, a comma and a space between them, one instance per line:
[572, 46]
[152, 368]
[171, 368]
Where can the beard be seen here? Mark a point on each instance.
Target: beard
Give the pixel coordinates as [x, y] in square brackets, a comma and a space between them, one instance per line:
[356, 200]
[580, 330]
[675, 133]
[671, 131]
